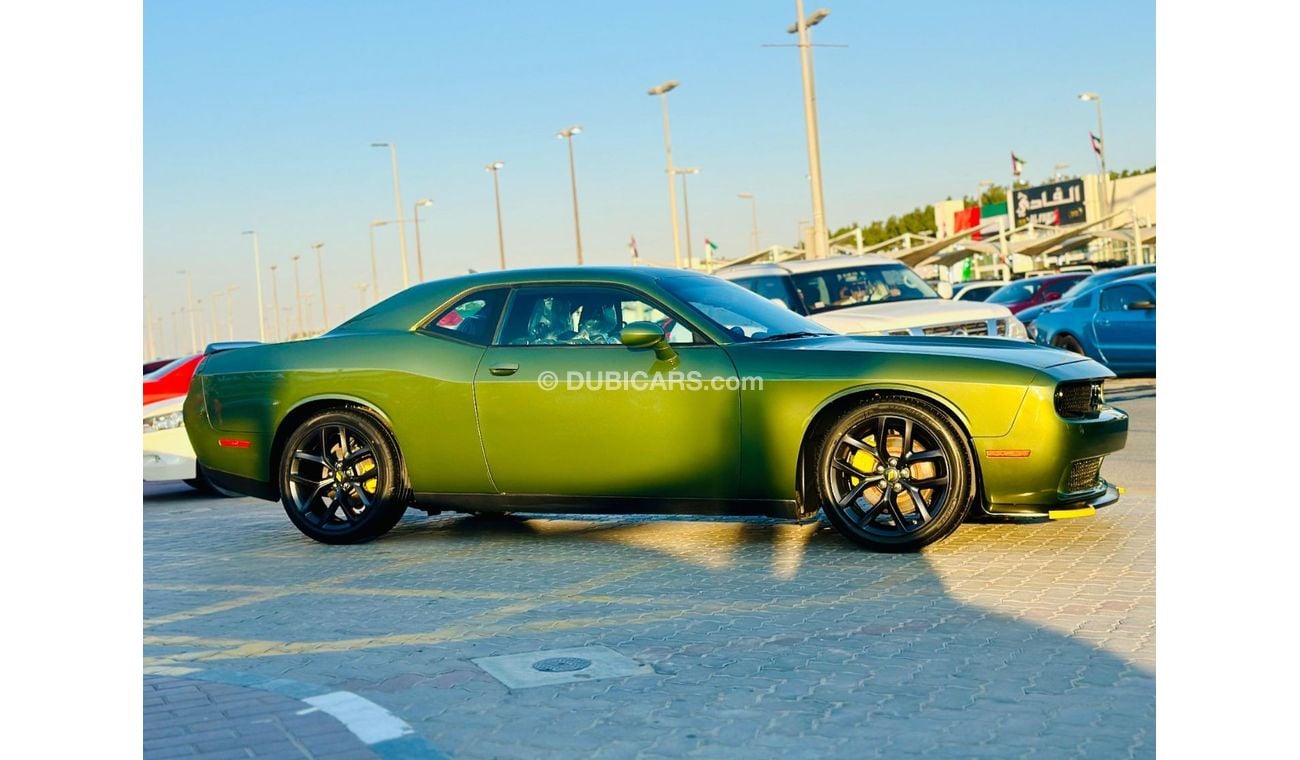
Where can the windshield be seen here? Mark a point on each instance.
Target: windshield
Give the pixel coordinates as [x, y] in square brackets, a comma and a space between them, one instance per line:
[743, 314]
[1015, 292]
[840, 288]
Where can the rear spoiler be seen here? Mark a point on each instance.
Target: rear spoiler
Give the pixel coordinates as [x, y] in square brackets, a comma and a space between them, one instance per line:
[216, 348]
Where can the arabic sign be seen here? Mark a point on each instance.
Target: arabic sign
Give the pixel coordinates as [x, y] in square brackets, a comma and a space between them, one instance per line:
[1055, 204]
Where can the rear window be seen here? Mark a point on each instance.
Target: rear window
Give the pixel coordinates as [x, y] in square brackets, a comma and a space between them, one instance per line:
[167, 368]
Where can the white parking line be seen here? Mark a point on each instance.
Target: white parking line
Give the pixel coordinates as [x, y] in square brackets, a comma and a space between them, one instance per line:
[370, 722]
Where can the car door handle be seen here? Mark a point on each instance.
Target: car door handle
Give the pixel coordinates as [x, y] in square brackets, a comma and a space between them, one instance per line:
[504, 368]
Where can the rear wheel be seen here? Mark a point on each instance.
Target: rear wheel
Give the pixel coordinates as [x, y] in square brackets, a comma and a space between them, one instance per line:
[895, 474]
[340, 480]
[1069, 343]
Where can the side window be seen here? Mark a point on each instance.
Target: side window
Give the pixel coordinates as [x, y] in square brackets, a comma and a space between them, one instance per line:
[575, 315]
[1119, 297]
[472, 319]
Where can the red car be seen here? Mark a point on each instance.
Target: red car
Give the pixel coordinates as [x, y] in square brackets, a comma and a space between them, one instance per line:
[1032, 291]
[170, 380]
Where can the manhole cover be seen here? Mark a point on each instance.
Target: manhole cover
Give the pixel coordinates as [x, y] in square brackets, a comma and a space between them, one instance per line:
[561, 664]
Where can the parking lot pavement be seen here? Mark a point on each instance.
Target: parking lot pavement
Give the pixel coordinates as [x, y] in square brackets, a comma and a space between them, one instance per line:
[735, 636]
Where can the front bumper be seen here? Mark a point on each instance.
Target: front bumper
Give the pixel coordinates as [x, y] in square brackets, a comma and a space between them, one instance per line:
[168, 455]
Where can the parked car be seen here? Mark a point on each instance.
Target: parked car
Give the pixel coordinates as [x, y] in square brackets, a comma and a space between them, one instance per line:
[871, 295]
[1114, 324]
[172, 379]
[1085, 285]
[150, 366]
[1031, 291]
[976, 290]
[570, 390]
[168, 454]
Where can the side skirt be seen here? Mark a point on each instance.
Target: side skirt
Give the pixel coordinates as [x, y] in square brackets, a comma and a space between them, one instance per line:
[605, 505]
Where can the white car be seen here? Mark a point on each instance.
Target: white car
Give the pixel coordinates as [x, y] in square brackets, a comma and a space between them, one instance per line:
[168, 454]
[976, 290]
[871, 295]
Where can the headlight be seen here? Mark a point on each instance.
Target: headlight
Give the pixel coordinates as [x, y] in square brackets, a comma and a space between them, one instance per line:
[164, 421]
[1032, 329]
[1016, 329]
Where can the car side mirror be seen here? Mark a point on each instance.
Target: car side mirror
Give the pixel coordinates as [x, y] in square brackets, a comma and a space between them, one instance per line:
[1142, 306]
[647, 335]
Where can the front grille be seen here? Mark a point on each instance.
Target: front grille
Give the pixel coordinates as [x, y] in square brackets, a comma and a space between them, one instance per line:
[962, 328]
[1079, 399]
[1084, 475]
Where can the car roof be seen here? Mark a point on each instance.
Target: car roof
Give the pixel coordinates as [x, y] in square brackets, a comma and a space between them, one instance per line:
[814, 265]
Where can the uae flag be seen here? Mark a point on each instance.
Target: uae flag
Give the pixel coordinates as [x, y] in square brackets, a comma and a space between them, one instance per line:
[1096, 143]
[636, 257]
[1017, 164]
[710, 248]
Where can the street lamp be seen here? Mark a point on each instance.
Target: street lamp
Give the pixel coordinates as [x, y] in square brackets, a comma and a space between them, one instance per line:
[297, 294]
[753, 207]
[401, 224]
[419, 255]
[801, 27]
[257, 272]
[495, 167]
[686, 207]
[320, 272]
[275, 295]
[1101, 152]
[662, 91]
[189, 308]
[374, 266]
[567, 134]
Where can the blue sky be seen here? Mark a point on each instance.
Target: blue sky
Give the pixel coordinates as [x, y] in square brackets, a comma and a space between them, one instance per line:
[260, 115]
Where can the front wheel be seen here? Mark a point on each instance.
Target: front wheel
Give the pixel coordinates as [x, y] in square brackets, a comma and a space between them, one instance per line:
[895, 474]
[1068, 343]
[340, 480]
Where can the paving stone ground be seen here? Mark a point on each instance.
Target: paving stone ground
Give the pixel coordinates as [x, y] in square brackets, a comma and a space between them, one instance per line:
[764, 638]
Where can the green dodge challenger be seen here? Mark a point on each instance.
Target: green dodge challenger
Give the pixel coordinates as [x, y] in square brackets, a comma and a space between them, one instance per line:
[645, 390]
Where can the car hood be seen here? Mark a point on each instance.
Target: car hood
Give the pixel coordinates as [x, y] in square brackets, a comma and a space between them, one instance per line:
[900, 315]
[1008, 350]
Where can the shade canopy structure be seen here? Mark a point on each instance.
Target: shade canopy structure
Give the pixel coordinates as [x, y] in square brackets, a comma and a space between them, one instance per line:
[915, 255]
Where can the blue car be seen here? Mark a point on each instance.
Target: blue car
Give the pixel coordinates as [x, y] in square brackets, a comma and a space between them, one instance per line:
[1114, 324]
[1086, 285]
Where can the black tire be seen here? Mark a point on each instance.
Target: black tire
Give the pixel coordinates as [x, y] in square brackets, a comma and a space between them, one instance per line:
[886, 501]
[1069, 343]
[341, 478]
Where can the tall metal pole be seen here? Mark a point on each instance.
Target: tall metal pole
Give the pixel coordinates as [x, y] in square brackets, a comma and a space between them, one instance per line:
[494, 167]
[820, 234]
[374, 266]
[686, 208]
[1107, 189]
[573, 182]
[401, 222]
[297, 295]
[203, 329]
[419, 253]
[320, 272]
[230, 311]
[753, 207]
[275, 294]
[189, 308]
[662, 91]
[257, 272]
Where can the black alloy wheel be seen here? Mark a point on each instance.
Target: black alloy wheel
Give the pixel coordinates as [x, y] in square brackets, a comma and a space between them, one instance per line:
[339, 478]
[895, 474]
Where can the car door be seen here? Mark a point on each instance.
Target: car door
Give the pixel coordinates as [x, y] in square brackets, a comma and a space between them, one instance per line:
[1126, 336]
[566, 409]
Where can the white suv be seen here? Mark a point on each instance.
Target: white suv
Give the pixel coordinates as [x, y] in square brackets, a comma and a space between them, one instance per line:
[871, 295]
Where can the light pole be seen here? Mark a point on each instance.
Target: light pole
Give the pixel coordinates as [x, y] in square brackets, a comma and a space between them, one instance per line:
[275, 295]
[419, 255]
[1106, 192]
[148, 320]
[401, 223]
[297, 294]
[320, 272]
[374, 266]
[567, 134]
[257, 272]
[662, 91]
[189, 308]
[230, 311]
[495, 167]
[801, 27]
[686, 208]
[203, 334]
[753, 232]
